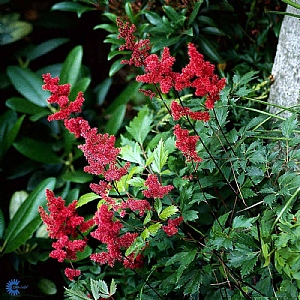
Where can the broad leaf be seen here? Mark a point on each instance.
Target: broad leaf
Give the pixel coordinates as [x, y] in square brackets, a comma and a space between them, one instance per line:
[27, 219]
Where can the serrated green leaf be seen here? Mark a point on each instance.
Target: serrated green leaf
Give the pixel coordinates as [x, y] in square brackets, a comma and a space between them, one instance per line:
[154, 228]
[148, 217]
[168, 212]
[132, 154]
[243, 222]
[136, 181]
[71, 66]
[190, 215]
[140, 126]
[136, 246]
[76, 294]
[28, 84]
[27, 219]
[36, 150]
[112, 287]
[158, 205]
[160, 155]
[288, 126]
[145, 234]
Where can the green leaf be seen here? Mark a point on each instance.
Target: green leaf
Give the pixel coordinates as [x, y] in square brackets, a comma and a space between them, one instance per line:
[136, 246]
[86, 198]
[72, 7]
[112, 287]
[27, 219]
[47, 286]
[243, 222]
[2, 223]
[154, 228]
[102, 90]
[209, 49]
[158, 205]
[77, 177]
[140, 126]
[71, 66]
[163, 42]
[172, 14]
[288, 126]
[24, 106]
[129, 12]
[132, 154]
[195, 11]
[76, 294]
[168, 212]
[190, 215]
[213, 31]
[45, 48]
[12, 134]
[12, 29]
[16, 201]
[80, 86]
[28, 84]
[124, 97]
[160, 155]
[116, 120]
[115, 67]
[36, 150]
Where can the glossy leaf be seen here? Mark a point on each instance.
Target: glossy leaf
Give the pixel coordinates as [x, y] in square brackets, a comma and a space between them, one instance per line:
[116, 120]
[36, 150]
[45, 48]
[27, 219]
[71, 66]
[28, 84]
[12, 134]
[12, 29]
[80, 86]
[77, 177]
[24, 106]
[209, 49]
[168, 212]
[124, 97]
[86, 198]
[102, 90]
[115, 67]
[72, 7]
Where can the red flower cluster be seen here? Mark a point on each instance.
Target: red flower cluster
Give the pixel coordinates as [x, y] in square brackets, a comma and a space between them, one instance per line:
[186, 144]
[140, 49]
[155, 189]
[199, 74]
[171, 228]
[64, 223]
[60, 95]
[108, 232]
[179, 111]
[98, 149]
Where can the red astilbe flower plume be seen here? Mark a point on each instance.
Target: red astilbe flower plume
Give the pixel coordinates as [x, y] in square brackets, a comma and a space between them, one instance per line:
[199, 74]
[155, 189]
[186, 144]
[64, 223]
[179, 111]
[60, 95]
[159, 71]
[108, 232]
[171, 228]
[140, 49]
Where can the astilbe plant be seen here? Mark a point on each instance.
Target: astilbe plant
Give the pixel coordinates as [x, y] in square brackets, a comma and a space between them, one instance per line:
[108, 226]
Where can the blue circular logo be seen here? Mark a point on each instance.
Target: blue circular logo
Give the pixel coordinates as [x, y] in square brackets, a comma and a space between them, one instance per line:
[12, 287]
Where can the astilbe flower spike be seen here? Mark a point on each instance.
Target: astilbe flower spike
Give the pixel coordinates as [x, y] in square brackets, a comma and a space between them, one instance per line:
[155, 189]
[63, 224]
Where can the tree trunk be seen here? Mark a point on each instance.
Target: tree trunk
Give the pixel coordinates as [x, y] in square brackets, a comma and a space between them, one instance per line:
[286, 69]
